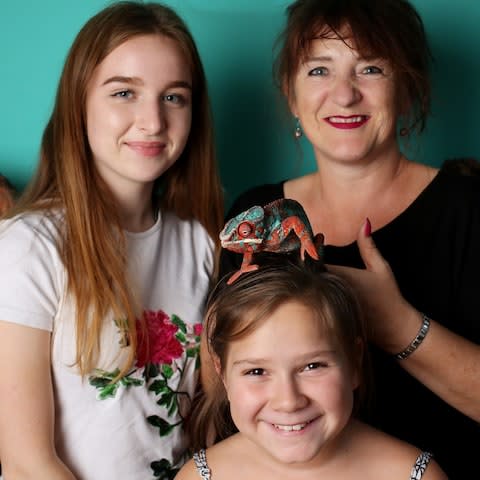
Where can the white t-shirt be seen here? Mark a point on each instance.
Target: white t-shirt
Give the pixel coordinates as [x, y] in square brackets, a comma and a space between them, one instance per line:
[131, 428]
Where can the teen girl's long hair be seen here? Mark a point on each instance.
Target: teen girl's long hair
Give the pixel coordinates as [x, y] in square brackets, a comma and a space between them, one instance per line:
[91, 241]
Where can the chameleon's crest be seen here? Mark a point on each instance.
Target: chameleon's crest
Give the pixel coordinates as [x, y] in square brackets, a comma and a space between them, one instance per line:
[281, 226]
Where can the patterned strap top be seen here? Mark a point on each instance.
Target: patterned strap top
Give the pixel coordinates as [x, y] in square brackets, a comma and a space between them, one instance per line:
[420, 466]
[418, 469]
[200, 460]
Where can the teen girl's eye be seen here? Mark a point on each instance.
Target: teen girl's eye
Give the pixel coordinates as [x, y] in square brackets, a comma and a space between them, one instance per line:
[255, 372]
[175, 99]
[123, 94]
[318, 72]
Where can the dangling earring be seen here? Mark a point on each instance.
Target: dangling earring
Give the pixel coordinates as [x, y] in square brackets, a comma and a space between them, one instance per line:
[298, 129]
[403, 131]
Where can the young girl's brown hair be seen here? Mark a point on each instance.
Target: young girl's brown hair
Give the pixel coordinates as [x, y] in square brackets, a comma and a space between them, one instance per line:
[234, 311]
[90, 238]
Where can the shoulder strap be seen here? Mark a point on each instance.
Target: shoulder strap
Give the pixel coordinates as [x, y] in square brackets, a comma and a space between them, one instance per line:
[420, 465]
[200, 460]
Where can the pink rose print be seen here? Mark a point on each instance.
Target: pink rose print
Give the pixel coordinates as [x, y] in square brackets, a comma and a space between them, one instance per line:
[197, 329]
[161, 346]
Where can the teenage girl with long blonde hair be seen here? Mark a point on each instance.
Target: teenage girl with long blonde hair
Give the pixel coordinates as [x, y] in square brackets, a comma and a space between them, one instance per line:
[106, 259]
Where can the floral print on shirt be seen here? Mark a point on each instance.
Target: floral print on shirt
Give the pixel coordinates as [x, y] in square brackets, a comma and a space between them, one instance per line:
[164, 346]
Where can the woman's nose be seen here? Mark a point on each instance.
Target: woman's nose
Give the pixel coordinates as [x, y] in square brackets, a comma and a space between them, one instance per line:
[345, 91]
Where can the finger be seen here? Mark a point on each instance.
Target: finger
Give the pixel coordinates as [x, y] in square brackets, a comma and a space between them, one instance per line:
[369, 252]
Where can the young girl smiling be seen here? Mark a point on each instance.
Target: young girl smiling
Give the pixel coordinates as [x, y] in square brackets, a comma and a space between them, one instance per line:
[288, 343]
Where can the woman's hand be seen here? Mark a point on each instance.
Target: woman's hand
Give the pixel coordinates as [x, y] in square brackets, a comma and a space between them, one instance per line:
[446, 363]
[391, 321]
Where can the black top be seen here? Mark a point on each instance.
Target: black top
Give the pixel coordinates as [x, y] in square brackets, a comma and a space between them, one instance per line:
[433, 248]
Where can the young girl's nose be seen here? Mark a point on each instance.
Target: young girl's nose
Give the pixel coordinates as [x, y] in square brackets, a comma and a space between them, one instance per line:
[287, 395]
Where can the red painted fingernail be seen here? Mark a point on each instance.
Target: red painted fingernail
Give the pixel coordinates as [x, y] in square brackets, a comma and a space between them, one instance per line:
[368, 228]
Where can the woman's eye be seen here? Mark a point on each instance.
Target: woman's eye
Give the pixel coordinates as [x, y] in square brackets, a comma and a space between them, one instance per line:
[318, 71]
[255, 372]
[123, 94]
[372, 69]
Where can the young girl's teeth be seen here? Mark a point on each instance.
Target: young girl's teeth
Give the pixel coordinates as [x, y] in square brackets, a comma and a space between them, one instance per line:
[290, 428]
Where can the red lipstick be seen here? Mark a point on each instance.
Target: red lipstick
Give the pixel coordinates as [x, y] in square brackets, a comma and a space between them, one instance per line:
[347, 122]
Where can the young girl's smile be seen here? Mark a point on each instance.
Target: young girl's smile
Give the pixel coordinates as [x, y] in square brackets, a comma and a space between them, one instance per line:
[290, 388]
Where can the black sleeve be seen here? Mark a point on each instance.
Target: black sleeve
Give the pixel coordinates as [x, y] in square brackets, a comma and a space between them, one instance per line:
[261, 195]
[467, 268]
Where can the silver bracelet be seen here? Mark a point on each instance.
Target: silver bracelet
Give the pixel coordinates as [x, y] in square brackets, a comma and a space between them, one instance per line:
[422, 333]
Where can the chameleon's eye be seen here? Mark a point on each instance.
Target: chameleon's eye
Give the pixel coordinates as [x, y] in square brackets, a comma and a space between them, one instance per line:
[244, 229]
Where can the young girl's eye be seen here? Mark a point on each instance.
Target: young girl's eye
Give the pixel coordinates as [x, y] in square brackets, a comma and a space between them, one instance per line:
[123, 94]
[315, 366]
[255, 372]
[318, 71]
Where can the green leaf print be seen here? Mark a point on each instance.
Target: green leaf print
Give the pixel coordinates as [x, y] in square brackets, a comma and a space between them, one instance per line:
[151, 370]
[192, 352]
[103, 376]
[99, 382]
[129, 381]
[108, 391]
[163, 469]
[169, 401]
[103, 381]
[179, 323]
[181, 337]
[164, 428]
[167, 371]
[159, 386]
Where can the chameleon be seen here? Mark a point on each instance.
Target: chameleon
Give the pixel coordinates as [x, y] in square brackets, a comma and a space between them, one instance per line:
[281, 226]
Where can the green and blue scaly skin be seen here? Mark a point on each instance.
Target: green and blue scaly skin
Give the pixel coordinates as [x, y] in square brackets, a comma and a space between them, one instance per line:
[281, 226]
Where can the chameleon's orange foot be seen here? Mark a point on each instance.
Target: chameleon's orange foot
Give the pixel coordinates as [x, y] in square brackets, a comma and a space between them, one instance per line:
[249, 268]
[309, 247]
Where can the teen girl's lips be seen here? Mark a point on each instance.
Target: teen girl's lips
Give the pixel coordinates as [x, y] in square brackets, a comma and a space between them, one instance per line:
[347, 123]
[147, 149]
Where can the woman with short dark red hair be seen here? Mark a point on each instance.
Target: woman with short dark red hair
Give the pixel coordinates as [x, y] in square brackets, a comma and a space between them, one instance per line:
[355, 75]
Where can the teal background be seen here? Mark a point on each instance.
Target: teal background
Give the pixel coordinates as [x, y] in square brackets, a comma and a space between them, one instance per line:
[235, 39]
